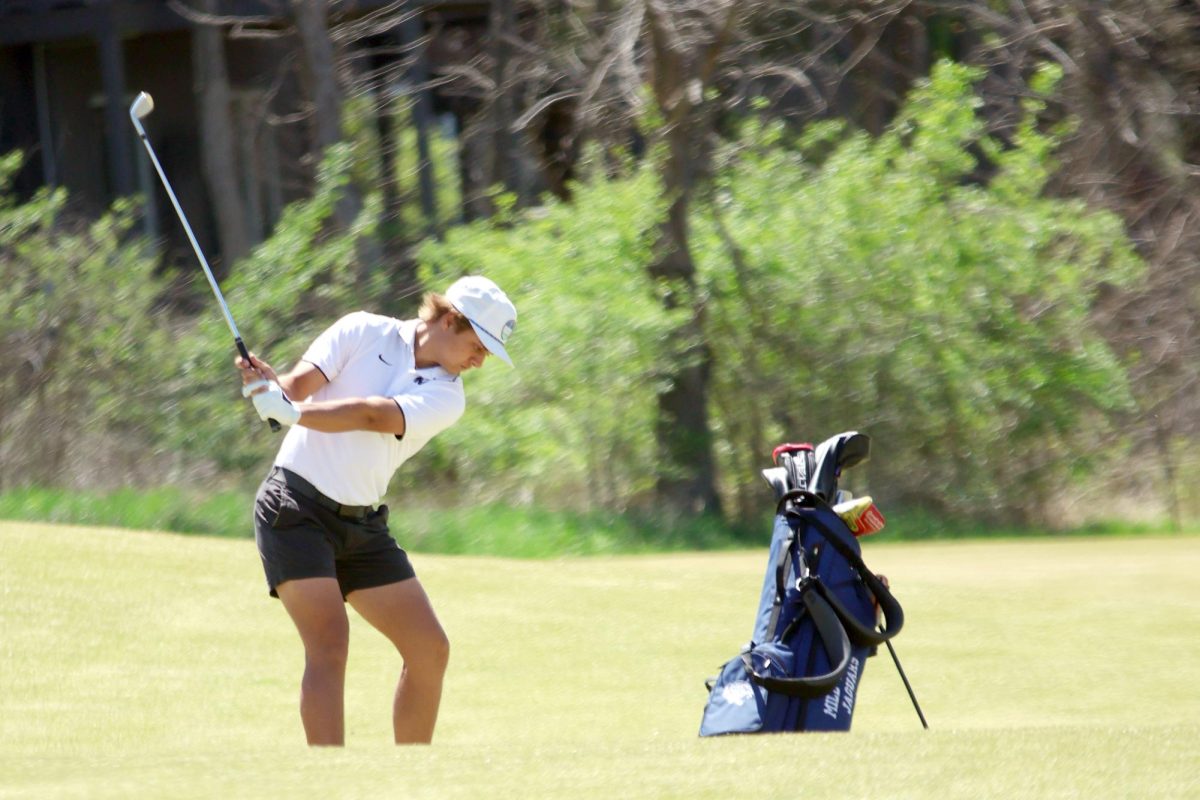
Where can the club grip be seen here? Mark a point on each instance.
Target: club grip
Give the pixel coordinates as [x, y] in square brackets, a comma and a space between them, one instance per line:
[245, 354]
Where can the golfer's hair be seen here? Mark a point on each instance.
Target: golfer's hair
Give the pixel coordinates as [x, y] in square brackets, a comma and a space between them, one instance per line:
[434, 306]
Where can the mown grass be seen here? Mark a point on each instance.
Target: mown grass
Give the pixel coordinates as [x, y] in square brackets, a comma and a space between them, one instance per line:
[153, 665]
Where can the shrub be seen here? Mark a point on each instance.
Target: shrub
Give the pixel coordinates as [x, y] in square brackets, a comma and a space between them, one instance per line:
[888, 285]
[83, 344]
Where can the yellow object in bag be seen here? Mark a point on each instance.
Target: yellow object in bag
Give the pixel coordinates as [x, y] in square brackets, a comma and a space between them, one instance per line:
[861, 515]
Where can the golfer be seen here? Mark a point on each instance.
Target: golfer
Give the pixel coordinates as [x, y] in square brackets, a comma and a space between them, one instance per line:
[369, 393]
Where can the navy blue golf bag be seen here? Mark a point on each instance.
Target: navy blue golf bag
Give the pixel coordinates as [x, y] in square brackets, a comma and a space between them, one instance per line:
[817, 615]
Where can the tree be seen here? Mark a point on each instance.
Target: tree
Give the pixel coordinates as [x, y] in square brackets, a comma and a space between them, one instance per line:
[83, 340]
[1130, 75]
[325, 96]
[573, 425]
[217, 136]
[878, 283]
[686, 45]
[584, 69]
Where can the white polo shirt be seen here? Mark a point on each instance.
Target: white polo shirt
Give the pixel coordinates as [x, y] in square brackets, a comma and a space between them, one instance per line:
[368, 355]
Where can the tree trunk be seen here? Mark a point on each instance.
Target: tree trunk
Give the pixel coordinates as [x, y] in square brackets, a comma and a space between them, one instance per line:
[681, 71]
[389, 185]
[502, 25]
[413, 33]
[313, 25]
[684, 436]
[217, 132]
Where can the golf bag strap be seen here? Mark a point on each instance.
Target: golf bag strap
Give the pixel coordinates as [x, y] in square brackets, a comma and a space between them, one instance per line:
[781, 573]
[797, 497]
[859, 633]
[893, 614]
[837, 648]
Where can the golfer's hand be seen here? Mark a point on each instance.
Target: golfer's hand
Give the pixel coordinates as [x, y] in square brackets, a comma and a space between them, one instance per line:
[271, 403]
[879, 611]
[256, 370]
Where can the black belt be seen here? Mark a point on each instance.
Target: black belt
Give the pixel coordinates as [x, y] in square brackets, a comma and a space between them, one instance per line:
[302, 487]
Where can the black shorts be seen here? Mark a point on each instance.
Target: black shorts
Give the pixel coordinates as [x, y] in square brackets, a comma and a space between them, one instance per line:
[299, 537]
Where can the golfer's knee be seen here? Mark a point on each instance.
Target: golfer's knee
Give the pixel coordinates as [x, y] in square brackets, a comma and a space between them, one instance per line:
[437, 651]
[431, 658]
[329, 648]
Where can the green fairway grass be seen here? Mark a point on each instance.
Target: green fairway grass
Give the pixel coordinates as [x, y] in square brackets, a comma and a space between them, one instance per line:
[154, 665]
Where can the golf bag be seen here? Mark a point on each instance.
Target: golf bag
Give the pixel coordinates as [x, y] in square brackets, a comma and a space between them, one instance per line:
[816, 621]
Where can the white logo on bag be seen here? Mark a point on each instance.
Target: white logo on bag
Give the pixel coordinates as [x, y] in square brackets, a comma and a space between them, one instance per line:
[843, 695]
[830, 705]
[737, 693]
[851, 685]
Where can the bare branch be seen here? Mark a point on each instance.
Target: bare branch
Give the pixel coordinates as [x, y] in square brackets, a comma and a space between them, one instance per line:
[540, 106]
[197, 17]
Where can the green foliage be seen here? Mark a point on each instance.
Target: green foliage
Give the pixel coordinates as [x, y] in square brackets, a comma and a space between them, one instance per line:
[921, 286]
[81, 341]
[888, 286]
[920, 524]
[532, 532]
[443, 156]
[163, 508]
[363, 118]
[493, 529]
[572, 424]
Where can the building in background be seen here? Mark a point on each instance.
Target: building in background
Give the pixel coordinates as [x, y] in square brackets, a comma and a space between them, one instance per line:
[69, 70]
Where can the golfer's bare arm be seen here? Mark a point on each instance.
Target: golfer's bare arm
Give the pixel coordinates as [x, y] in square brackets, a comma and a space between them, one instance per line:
[303, 381]
[379, 414]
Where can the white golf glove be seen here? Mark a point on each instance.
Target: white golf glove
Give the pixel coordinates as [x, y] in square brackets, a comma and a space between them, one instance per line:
[271, 404]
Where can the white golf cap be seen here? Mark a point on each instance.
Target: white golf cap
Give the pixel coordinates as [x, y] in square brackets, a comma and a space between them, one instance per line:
[488, 309]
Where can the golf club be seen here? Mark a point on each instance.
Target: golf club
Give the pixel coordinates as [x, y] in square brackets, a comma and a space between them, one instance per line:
[142, 105]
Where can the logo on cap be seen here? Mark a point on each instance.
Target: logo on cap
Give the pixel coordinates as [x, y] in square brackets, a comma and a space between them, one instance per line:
[507, 330]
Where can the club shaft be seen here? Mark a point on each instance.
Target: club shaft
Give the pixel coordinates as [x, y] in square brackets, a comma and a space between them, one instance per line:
[212, 281]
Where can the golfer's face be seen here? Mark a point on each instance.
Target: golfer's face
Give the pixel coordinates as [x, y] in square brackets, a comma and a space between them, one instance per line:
[466, 352]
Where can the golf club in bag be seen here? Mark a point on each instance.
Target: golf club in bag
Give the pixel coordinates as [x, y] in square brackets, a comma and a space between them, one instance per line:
[818, 609]
[141, 107]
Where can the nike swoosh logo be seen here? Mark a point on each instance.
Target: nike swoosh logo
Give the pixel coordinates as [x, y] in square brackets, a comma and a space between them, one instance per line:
[390, 364]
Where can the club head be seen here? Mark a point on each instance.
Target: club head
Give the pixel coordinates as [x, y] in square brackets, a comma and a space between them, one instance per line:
[143, 104]
[777, 477]
[854, 450]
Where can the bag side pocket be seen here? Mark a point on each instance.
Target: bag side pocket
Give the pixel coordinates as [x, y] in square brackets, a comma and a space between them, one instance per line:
[736, 704]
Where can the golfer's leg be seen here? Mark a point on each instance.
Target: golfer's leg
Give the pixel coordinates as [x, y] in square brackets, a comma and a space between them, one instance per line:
[402, 612]
[315, 605]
